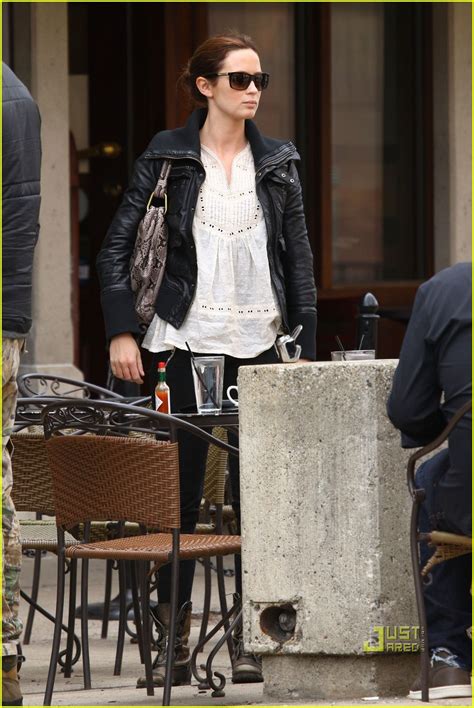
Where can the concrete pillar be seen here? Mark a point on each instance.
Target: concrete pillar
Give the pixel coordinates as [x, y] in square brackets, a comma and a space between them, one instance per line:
[325, 524]
[50, 345]
[452, 112]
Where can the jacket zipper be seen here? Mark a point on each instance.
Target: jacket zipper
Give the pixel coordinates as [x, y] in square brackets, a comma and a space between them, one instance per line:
[264, 168]
[276, 280]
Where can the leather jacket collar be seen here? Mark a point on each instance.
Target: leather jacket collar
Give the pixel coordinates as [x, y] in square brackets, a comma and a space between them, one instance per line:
[184, 143]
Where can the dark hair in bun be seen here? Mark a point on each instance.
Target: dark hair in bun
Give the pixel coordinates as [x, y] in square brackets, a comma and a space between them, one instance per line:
[208, 59]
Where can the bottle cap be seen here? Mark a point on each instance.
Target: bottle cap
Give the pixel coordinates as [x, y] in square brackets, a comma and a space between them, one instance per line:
[162, 365]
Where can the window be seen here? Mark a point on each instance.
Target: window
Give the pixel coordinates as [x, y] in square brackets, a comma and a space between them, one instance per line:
[376, 144]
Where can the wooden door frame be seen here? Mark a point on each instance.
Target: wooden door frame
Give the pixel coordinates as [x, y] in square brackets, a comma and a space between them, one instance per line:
[185, 28]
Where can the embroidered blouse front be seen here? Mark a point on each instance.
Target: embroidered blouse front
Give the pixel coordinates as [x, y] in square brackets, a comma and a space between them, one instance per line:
[234, 310]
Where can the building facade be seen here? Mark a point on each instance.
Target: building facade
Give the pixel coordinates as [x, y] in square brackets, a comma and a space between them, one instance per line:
[376, 96]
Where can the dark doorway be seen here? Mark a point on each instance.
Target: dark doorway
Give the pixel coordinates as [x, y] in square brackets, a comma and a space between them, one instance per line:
[129, 56]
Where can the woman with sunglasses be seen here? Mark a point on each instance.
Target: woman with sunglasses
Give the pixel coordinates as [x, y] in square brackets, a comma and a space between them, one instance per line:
[238, 273]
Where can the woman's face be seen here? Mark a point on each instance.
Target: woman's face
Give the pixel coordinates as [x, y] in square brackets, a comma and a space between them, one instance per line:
[226, 100]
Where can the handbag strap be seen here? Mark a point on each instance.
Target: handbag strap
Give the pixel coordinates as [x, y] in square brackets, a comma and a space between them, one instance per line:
[160, 189]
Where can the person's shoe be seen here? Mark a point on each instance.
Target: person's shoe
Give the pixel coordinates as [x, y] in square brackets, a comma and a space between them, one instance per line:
[11, 691]
[246, 668]
[182, 667]
[447, 678]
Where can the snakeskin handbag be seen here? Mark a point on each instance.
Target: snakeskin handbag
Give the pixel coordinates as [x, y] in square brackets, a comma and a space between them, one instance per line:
[147, 264]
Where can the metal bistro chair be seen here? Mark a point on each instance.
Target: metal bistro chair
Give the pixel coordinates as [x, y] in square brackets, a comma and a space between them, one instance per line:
[32, 491]
[446, 545]
[104, 473]
[42, 387]
[38, 389]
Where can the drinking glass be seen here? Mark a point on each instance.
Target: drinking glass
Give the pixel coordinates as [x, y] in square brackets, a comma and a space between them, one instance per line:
[208, 377]
[353, 355]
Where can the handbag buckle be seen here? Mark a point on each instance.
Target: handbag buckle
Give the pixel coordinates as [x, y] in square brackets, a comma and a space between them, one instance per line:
[152, 196]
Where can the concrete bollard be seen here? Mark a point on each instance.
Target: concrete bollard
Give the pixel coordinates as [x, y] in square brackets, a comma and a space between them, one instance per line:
[327, 584]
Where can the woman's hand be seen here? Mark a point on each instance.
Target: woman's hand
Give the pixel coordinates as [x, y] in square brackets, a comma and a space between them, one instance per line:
[125, 358]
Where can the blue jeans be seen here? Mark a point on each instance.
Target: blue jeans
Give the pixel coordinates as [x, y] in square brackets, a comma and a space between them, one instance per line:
[447, 591]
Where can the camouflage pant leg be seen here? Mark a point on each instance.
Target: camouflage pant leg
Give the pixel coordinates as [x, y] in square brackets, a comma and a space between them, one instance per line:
[11, 557]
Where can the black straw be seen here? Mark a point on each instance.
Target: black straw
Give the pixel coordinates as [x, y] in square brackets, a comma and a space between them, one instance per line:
[189, 350]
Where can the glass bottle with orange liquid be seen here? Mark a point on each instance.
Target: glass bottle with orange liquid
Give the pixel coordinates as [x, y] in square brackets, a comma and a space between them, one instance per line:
[162, 391]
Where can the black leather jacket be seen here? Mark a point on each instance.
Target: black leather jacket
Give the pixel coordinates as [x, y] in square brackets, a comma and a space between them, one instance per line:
[279, 193]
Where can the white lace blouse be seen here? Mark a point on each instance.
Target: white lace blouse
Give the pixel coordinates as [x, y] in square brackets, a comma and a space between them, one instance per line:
[234, 310]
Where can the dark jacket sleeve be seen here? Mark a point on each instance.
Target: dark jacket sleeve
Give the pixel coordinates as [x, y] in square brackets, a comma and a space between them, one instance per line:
[299, 274]
[21, 164]
[113, 261]
[414, 402]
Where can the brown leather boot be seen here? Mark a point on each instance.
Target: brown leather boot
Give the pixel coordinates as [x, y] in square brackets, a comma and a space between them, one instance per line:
[181, 668]
[246, 667]
[11, 692]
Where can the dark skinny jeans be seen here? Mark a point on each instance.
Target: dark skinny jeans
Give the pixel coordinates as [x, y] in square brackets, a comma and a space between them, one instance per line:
[447, 590]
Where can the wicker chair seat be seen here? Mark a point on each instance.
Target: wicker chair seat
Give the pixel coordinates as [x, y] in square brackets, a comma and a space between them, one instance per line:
[157, 547]
[101, 530]
[447, 546]
[42, 536]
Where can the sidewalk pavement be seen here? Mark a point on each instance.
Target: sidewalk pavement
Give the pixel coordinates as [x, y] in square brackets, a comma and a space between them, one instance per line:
[121, 690]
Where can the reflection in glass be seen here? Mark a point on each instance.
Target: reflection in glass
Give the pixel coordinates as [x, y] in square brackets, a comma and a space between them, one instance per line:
[376, 143]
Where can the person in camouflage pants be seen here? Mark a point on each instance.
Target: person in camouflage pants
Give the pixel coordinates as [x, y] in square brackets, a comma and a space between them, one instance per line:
[21, 199]
[11, 623]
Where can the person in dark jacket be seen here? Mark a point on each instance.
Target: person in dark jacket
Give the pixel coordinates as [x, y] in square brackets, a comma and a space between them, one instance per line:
[432, 382]
[239, 268]
[21, 202]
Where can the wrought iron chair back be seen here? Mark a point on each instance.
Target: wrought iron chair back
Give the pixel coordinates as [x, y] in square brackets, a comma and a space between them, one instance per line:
[114, 418]
[47, 385]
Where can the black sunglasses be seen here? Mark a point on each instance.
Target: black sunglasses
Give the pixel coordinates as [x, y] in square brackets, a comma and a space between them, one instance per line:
[240, 80]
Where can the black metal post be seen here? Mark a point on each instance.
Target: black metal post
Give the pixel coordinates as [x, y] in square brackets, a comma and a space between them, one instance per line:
[367, 323]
